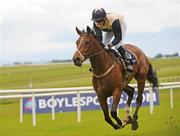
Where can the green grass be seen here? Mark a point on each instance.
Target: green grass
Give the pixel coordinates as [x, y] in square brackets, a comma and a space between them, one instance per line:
[43, 76]
[167, 67]
[67, 75]
[164, 122]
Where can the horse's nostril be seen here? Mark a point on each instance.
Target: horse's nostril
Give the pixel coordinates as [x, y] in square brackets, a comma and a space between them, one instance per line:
[78, 59]
[75, 59]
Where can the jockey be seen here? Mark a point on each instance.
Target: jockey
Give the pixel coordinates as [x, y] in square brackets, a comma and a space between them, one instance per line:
[107, 26]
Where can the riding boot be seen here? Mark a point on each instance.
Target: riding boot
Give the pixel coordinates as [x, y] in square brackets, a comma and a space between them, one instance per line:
[126, 58]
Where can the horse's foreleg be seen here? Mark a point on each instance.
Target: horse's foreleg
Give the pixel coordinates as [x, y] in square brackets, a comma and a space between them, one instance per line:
[116, 98]
[141, 85]
[104, 106]
[130, 92]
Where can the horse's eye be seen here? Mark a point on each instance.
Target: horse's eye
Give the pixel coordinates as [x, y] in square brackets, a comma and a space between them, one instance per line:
[86, 42]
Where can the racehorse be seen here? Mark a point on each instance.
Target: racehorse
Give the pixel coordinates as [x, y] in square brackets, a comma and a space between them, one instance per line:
[109, 76]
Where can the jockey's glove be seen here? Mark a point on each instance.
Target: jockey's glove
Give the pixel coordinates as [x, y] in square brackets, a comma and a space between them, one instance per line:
[106, 47]
[110, 45]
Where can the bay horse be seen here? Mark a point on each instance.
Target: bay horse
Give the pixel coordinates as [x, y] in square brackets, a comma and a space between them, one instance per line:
[109, 76]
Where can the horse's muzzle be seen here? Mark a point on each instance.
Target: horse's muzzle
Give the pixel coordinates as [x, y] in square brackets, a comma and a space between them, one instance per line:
[77, 61]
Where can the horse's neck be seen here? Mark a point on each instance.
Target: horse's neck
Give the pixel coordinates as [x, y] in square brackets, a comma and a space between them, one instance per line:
[101, 62]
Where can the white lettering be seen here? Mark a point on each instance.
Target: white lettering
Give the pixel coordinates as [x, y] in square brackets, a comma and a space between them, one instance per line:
[154, 97]
[67, 104]
[74, 101]
[89, 100]
[51, 103]
[144, 97]
[42, 103]
[121, 101]
[147, 97]
[83, 101]
[60, 101]
[95, 101]
[109, 100]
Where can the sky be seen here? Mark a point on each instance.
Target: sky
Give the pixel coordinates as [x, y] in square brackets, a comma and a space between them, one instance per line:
[44, 30]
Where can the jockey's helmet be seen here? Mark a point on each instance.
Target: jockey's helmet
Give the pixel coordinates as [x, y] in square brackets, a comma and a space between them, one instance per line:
[98, 14]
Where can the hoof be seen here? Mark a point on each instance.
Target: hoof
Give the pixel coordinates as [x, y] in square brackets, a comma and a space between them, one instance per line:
[134, 125]
[129, 121]
[116, 127]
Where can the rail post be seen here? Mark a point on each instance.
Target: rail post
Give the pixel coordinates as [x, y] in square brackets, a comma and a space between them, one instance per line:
[151, 102]
[33, 110]
[171, 98]
[21, 110]
[78, 107]
[53, 107]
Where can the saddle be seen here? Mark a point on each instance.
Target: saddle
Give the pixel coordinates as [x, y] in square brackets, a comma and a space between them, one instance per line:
[118, 57]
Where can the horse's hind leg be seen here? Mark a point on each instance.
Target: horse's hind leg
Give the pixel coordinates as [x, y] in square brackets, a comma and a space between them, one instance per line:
[141, 85]
[116, 98]
[130, 92]
[104, 106]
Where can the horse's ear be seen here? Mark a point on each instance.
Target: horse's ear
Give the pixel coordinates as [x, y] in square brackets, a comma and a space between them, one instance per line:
[88, 29]
[93, 32]
[78, 31]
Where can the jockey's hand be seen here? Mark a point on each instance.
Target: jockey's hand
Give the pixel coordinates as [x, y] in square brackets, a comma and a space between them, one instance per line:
[106, 47]
[110, 45]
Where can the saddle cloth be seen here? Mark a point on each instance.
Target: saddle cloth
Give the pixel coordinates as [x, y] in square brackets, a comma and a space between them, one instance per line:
[118, 55]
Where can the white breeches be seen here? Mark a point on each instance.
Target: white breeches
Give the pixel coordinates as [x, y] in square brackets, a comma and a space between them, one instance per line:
[109, 36]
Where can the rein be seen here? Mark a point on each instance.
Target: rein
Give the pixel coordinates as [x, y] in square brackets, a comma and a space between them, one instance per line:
[92, 55]
[95, 54]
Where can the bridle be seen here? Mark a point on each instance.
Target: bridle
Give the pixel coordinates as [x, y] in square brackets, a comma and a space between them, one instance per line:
[84, 57]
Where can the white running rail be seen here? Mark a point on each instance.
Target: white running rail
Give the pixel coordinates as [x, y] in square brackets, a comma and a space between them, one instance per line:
[22, 93]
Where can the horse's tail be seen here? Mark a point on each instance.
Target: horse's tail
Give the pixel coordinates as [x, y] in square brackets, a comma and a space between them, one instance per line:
[152, 78]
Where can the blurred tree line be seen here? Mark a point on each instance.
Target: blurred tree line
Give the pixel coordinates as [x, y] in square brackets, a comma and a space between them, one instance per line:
[160, 55]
